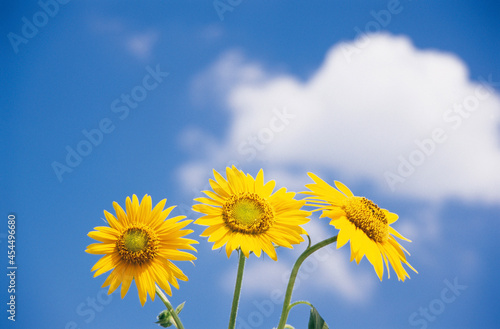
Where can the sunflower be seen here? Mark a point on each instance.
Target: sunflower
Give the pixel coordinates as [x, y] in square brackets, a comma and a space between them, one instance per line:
[140, 244]
[363, 223]
[243, 213]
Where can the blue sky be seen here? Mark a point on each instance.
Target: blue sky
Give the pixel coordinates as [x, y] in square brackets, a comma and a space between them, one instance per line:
[399, 100]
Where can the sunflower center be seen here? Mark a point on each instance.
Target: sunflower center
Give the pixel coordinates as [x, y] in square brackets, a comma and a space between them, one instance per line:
[368, 217]
[135, 240]
[137, 245]
[247, 213]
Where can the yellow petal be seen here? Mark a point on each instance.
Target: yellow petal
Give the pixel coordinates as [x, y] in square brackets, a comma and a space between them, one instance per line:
[343, 189]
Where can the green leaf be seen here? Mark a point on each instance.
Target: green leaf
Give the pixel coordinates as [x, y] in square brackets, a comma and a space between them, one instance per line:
[287, 326]
[179, 308]
[316, 321]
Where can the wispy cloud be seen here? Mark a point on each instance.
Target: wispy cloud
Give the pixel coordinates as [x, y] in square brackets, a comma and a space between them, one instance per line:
[139, 44]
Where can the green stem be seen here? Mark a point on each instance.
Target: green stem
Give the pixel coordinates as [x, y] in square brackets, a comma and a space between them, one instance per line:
[300, 302]
[237, 291]
[165, 301]
[293, 276]
[308, 242]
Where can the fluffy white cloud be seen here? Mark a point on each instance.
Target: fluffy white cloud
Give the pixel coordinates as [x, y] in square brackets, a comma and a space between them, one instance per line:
[409, 121]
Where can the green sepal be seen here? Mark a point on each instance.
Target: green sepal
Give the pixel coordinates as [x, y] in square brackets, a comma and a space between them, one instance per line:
[165, 319]
[315, 320]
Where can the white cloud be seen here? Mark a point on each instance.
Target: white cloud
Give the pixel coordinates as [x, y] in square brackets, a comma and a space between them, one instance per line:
[192, 175]
[230, 70]
[363, 117]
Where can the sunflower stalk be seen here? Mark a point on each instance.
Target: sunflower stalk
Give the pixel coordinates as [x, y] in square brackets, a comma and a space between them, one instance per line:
[173, 312]
[291, 282]
[237, 290]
